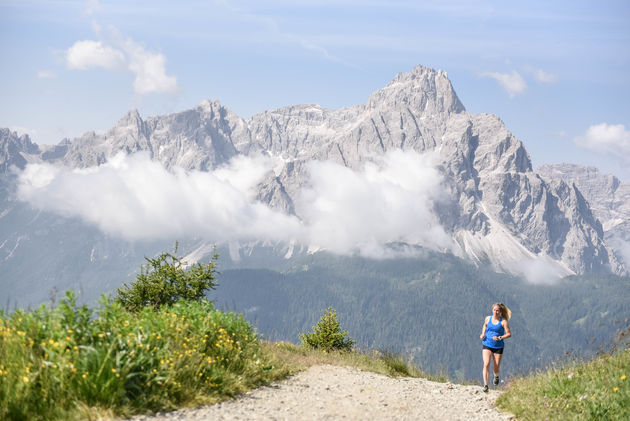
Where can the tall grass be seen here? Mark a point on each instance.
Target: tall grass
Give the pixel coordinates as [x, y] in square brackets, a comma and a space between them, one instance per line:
[74, 363]
[598, 389]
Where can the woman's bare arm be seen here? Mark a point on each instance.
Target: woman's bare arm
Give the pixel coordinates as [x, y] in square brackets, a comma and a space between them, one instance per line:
[506, 326]
[483, 329]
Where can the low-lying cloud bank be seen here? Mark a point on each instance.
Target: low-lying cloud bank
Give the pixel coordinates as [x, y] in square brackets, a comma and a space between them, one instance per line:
[135, 198]
[344, 211]
[391, 200]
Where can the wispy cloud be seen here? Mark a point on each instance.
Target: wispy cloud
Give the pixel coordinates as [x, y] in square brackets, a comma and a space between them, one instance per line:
[543, 77]
[46, 74]
[273, 30]
[92, 7]
[343, 211]
[391, 200]
[513, 83]
[609, 139]
[135, 198]
[149, 69]
[122, 53]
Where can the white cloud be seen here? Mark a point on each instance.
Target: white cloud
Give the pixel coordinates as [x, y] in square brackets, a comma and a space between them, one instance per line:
[136, 198]
[46, 74]
[122, 53]
[513, 83]
[389, 201]
[87, 54]
[622, 248]
[149, 68]
[540, 270]
[544, 77]
[343, 211]
[611, 139]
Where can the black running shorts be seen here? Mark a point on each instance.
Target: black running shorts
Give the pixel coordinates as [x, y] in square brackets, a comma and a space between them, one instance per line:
[494, 350]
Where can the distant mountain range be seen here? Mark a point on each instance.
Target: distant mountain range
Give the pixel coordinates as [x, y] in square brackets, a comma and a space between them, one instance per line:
[608, 197]
[492, 208]
[407, 214]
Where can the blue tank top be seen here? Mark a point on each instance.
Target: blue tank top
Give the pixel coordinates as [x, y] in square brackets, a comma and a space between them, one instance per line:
[494, 330]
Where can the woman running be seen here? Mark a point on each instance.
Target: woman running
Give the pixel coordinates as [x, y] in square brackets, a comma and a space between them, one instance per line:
[495, 330]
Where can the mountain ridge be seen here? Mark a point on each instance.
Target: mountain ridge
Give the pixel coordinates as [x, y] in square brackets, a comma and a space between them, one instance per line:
[498, 210]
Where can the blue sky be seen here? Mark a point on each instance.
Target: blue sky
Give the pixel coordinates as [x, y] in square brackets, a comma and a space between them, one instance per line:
[557, 73]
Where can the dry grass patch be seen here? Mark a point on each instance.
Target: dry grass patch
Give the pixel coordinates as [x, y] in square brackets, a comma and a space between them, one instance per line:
[293, 358]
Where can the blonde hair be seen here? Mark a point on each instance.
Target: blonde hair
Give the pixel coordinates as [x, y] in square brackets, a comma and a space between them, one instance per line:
[505, 312]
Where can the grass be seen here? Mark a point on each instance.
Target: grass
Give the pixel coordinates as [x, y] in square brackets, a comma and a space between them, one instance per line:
[295, 358]
[71, 363]
[598, 389]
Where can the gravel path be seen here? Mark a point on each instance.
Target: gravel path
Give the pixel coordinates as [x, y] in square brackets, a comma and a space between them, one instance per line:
[328, 392]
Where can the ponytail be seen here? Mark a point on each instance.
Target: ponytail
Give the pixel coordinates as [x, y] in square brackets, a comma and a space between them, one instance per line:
[505, 311]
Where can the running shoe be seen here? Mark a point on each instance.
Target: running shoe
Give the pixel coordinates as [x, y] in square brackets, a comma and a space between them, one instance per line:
[496, 380]
[485, 389]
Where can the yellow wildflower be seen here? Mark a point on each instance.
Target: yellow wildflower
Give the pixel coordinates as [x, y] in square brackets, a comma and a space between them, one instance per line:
[623, 378]
[615, 389]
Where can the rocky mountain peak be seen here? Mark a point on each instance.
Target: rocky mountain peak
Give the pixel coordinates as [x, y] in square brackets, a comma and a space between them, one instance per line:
[423, 89]
[209, 106]
[13, 149]
[608, 197]
[131, 118]
[498, 210]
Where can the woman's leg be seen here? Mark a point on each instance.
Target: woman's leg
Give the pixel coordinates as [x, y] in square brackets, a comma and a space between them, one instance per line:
[496, 366]
[487, 355]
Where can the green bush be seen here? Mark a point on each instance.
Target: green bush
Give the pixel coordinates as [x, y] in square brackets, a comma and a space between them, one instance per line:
[74, 363]
[165, 280]
[327, 334]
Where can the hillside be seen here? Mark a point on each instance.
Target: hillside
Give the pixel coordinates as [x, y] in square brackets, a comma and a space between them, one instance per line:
[406, 305]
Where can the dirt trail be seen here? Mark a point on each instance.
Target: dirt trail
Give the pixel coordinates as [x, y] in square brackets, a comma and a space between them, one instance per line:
[327, 392]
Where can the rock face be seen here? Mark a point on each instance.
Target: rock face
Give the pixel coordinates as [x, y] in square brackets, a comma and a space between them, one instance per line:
[608, 197]
[15, 151]
[500, 211]
[199, 139]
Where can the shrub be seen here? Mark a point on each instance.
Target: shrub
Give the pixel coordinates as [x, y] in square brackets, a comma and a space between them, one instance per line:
[166, 280]
[72, 363]
[327, 334]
